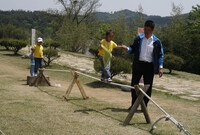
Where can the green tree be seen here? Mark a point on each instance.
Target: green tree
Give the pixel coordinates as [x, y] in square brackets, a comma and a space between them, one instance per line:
[74, 38]
[79, 10]
[13, 44]
[102, 30]
[123, 35]
[139, 19]
[173, 62]
[10, 31]
[49, 42]
[75, 33]
[193, 33]
[99, 35]
[50, 54]
[175, 37]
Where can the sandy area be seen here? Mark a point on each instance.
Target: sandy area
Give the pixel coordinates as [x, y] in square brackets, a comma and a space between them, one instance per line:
[188, 89]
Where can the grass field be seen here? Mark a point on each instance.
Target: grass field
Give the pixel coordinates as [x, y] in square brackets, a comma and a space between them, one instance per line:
[26, 110]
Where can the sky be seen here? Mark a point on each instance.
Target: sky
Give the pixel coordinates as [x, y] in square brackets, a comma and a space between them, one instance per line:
[150, 7]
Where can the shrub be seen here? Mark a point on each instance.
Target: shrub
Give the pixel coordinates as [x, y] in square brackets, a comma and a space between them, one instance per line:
[5, 44]
[51, 43]
[172, 61]
[118, 66]
[93, 51]
[13, 44]
[51, 55]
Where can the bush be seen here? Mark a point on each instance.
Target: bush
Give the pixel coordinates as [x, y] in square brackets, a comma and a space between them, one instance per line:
[94, 51]
[51, 43]
[51, 55]
[13, 44]
[5, 44]
[118, 66]
[172, 61]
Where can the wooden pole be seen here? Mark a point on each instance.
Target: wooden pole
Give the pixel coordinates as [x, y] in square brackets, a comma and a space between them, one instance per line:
[70, 87]
[75, 80]
[81, 89]
[145, 112]
[39, 78]
[138, 101]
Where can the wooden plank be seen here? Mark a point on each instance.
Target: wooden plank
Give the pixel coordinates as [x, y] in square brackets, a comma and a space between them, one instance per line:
[31, 79]
[40, 78]
[136, 104]
[69, 89]
[145, 112]
[81, 89]
[75, 80]
[46, 80]
[35, 82]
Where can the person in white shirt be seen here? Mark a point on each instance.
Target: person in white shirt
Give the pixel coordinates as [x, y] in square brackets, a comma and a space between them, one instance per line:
[148, 59]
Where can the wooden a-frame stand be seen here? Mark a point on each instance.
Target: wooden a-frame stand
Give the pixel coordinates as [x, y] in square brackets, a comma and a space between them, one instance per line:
[39, 79]
[75, 80]
[139, 101]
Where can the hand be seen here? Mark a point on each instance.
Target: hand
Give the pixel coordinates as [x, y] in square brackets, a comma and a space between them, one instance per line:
[124, 47]
[160, 73]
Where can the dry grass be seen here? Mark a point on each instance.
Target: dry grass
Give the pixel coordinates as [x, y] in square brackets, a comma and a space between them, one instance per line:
[28, 110]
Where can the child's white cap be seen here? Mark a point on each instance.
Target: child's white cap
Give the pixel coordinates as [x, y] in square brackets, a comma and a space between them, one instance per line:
[40, 39]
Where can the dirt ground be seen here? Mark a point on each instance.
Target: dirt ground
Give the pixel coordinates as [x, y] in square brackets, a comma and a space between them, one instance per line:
[188, 89]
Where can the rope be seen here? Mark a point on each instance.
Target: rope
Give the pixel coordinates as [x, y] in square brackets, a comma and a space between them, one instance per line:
[2, 132]
[56, 70]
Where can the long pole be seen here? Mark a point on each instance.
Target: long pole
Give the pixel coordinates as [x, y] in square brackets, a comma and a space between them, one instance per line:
[167, 116]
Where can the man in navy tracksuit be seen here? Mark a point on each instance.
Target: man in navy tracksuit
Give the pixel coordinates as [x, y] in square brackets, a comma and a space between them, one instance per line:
[148, 59]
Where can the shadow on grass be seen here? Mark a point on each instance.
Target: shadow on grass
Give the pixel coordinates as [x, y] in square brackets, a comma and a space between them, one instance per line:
[171, 74]
[88, 110]
[24, 81]
[5, 50]
[50, 94]
[13, 55]
[115, 109]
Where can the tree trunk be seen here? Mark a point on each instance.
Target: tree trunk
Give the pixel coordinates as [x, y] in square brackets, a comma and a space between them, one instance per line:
[170, 71]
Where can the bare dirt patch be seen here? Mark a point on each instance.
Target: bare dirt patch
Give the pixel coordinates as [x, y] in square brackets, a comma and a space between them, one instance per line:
[188, 89]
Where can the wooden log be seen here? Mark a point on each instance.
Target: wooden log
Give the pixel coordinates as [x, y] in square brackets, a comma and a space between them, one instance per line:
[145, 112]
[30, 80]
[136, 104]
[40, 77]
[69, 89]
[46, 80]
[81, 89]
[75, 80]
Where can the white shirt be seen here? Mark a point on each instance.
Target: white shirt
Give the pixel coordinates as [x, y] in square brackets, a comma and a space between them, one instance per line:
[146, 53]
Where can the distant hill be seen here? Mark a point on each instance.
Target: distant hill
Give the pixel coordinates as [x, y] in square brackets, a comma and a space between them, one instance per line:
[28, 19]
[130, 15]
[41, 19]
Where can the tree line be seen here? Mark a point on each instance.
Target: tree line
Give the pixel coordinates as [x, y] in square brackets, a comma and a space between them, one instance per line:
[77, 28]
